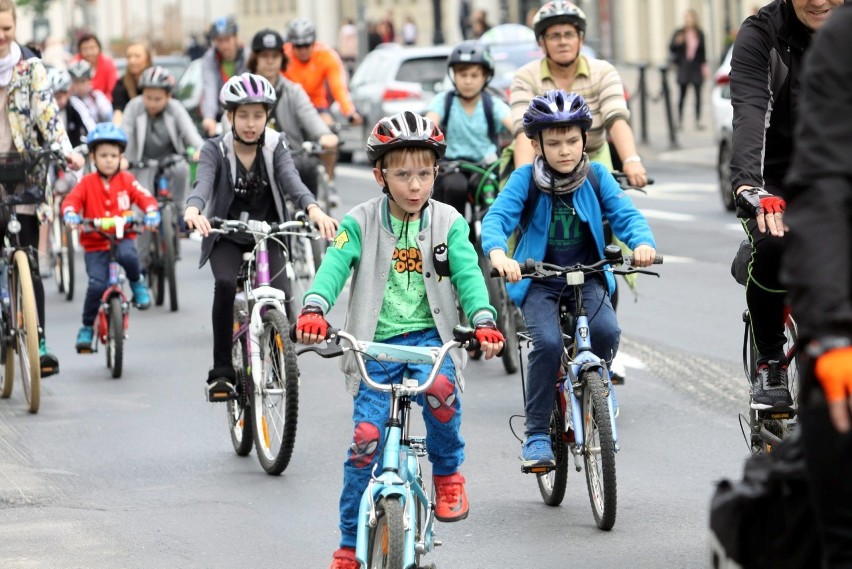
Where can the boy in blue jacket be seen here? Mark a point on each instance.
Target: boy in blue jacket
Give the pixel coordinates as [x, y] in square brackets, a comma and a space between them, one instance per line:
[564, 228]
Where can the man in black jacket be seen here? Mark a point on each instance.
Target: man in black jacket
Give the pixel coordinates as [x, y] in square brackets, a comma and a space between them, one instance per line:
[817, 268]
[765, 70]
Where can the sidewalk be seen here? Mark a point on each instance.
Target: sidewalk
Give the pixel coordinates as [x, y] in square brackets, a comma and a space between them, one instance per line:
[694, 146]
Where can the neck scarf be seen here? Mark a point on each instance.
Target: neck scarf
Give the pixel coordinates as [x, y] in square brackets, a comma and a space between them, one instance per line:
[8, 63]
[549, 181]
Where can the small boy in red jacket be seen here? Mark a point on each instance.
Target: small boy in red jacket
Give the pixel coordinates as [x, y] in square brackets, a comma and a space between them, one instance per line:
[107, 193]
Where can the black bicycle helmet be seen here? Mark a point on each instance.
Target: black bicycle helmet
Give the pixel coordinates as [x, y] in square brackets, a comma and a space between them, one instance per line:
[267, 39]
[404, 130]
[156, 77]
[224, 26]
[556, 109]
[558, 12]
[301, 31]
[472, 52]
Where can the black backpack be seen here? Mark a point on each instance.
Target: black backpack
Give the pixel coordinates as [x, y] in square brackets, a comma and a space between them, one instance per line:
[487, 108]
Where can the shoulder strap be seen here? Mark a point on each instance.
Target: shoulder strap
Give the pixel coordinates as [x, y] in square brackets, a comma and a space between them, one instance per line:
[593, 179]
[488, 109]
[448, 104]
[533, 196]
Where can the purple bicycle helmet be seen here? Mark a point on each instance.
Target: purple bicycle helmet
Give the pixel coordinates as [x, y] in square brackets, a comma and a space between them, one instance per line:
[246, 89]
[556, 109]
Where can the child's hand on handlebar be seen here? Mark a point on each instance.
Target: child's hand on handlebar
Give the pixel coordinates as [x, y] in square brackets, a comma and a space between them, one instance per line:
[152, 219]
[490, 338]
[75, 160]
[505, 265]
[643, 256]
[311, 327]
[195, 220]
[72, 219]
[327, 225]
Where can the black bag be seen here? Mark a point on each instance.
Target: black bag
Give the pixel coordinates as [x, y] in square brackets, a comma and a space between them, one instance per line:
[766, 520]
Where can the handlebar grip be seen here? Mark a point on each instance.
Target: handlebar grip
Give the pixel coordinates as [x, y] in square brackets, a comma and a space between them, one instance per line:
[658, 259]
[494, 273]
[528, 267]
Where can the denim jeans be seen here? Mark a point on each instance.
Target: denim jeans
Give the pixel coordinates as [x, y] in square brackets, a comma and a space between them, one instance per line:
[541, 312]
[97, 267]
[441, 414]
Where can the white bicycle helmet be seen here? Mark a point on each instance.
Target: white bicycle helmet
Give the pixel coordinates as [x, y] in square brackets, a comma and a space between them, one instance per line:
[558, 12]
[59, 80]
[81, 69]
[246, 89]
[156, 77]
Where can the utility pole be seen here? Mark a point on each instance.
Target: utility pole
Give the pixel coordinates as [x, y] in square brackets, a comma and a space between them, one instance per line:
[438, 34]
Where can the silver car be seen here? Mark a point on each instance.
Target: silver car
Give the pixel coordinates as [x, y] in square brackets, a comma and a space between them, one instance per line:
[723, 129]
[391, 79]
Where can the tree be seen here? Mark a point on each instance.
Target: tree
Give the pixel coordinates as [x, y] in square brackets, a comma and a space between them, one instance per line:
[37, 6]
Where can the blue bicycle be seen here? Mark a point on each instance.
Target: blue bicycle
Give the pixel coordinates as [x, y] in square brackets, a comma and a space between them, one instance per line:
[583, 420]
[396, 517]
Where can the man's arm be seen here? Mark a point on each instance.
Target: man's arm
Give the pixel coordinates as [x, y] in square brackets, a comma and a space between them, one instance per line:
[336, 77]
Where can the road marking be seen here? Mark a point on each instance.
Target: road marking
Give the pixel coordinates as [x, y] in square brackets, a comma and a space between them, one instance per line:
[629, 361]
[667, 215]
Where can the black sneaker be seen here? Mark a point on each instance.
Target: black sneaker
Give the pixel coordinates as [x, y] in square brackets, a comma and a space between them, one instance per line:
[770, 387]
[220, 384]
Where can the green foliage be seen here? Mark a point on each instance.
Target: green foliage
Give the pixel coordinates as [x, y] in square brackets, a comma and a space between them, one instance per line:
[37, 6]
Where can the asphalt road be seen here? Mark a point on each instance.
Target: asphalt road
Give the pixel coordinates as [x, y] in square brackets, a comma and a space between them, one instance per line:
[139, 472]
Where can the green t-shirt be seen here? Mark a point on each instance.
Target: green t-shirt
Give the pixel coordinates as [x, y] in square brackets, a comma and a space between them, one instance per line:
[229, 67]
[406, 307]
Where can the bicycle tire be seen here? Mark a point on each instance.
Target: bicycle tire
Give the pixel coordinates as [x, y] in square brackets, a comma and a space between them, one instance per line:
[323, 191]
[386, 541]
[169, 236]
[156, 276]
[68, 252]
[7, 382]
[318, 248]
[279, 375]
[55, 244]
[26, 317]
[239, 409]
[115, 337]
[499, 299]
[551, 485]
[599, 452]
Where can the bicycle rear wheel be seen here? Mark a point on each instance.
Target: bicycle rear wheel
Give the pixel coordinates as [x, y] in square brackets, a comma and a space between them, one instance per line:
[155, 271]
[239, 409]
[25, 318]
[552, 484]
[67, 260]
[276, 394]
[169, 241]
[386, 541]
[7, 354]
[115, 337]
[599, 451]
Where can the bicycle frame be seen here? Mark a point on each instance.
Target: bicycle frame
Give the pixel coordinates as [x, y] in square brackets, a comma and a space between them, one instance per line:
[114, 283]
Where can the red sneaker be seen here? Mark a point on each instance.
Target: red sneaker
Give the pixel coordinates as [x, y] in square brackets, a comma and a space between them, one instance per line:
[344, 558]
[450, 497]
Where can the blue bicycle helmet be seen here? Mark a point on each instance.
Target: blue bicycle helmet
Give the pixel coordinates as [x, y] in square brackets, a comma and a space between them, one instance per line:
[106, 132]
[555, 109]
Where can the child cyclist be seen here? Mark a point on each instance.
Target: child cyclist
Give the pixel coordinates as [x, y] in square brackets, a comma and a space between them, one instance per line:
[248, 169]
[470, 117]
[108, 192]
[565, 228]
[81, 87]
[411, 258]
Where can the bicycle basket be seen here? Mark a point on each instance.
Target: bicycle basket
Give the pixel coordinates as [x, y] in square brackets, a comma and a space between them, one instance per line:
[12, 168]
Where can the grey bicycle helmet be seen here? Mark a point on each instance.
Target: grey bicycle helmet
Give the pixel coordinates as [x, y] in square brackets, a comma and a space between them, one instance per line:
[59, 80]
[224, 26]
[246, 89]
[555, 109]
[156, 77]
[404, 130]
[81, 69]
[472, 52]
[558, 12]
[301, 31]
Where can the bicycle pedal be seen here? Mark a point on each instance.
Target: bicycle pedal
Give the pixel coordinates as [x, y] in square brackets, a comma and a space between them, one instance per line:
[87, 350]
[537, 469]
[775, 415]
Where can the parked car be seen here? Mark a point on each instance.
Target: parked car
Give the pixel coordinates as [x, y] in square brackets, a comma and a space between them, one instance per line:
[723, 128]
[391, 79]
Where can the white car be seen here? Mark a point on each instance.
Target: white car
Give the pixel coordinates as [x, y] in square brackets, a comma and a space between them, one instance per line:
[723, 119]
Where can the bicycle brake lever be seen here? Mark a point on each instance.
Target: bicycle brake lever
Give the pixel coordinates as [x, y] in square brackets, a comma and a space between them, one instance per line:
[330, 351]
[633, 271]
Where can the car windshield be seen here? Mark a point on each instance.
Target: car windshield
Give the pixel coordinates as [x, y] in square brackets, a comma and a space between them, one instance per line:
[424, 70]
[508, 60]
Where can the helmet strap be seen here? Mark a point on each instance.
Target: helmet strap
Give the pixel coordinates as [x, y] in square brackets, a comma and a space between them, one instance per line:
[260, 140]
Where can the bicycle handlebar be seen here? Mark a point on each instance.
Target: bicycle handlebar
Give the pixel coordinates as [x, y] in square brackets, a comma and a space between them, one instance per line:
[111, 226]
[463, 337]
[621, 178]
[539, 270]
[261, 228]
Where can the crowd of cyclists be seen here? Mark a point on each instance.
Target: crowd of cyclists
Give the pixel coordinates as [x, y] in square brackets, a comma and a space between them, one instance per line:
[262, 101]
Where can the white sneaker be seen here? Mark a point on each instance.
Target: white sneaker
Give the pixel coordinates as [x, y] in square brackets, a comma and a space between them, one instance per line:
[617, 371]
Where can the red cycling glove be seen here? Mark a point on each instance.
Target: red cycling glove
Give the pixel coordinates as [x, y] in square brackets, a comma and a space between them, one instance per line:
[772, 204]
[311, 321]
[488, 333]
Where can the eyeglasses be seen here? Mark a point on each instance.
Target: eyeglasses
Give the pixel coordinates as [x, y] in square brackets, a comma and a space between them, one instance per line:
[426, 176]
[302, 46]
[556, 36]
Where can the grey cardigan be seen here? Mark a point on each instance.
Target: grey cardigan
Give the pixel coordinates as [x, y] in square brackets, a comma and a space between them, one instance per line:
[296, 115]
[182, 131]
[213, 191]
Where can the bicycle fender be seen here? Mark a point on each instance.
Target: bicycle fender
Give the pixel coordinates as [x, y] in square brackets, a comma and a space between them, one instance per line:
[371, 496]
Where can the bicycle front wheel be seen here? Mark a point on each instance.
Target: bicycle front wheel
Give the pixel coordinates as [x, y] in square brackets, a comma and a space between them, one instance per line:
[67, 261]
[8, 356]
[115, 337]
[599, 451]
[25, 319]
[169, 240]
[386, 541]
[552, 484]
[239, 409]
[276, 394]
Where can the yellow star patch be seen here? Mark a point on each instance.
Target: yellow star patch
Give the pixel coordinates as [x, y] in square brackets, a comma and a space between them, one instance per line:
[341, 239]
